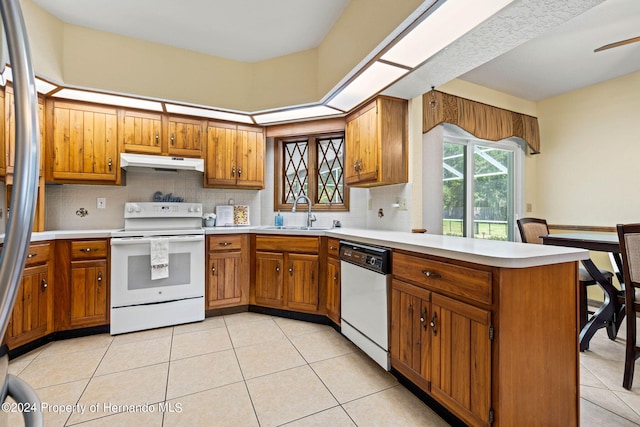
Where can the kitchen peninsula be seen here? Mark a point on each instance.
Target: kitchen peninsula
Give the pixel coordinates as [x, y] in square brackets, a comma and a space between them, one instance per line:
[497, 340]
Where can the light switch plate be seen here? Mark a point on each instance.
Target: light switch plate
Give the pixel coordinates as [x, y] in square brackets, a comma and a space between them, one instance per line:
[101, 202]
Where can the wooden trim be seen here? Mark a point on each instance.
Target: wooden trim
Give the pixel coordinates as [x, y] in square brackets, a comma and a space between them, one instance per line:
[482, 120]
[588, 228]
[306, 128]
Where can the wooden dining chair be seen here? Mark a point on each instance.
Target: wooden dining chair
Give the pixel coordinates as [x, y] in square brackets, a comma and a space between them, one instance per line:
[629, 235]
[530, 231]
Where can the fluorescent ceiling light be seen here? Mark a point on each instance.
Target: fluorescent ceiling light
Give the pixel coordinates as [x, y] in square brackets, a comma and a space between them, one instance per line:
[446, 24]
[104, 98]
[371, 81]
[42, 86]
[295, 114]
[204, 112]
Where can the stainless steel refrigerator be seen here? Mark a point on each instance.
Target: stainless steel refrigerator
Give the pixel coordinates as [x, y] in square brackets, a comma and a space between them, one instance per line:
[23, 198]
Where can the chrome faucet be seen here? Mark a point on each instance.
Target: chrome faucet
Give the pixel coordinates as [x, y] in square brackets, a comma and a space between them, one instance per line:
[310, 216]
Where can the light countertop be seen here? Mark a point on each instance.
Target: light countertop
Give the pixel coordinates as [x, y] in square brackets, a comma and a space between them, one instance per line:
[480, 251]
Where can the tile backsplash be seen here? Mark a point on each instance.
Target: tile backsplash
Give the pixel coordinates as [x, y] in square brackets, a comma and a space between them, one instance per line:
[63, 201]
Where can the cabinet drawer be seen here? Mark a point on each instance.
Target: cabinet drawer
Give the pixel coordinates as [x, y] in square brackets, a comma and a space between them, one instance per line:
[288, 244]
[333, 247]
[89, 249]
[439, 276]
[38, 254]
[227, 242]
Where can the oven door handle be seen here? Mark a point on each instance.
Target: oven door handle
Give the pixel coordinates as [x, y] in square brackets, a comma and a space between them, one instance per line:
[147, 240]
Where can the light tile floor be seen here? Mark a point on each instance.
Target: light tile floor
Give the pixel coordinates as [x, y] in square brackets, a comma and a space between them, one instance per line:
[249, 369]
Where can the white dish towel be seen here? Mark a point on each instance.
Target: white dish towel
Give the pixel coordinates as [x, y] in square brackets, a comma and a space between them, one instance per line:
[159, 249]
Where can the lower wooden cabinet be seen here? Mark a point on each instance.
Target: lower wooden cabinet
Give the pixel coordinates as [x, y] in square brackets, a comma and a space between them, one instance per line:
[287, 273]
[332, 281]
[89, 302]
[83, 287]
[32, 315]
[410, 336]
[227, 275]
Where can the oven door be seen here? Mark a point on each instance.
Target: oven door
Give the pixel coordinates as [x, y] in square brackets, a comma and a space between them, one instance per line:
[131, 282]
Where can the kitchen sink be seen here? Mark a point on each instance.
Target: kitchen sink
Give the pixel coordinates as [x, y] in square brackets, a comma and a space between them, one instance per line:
[294, 227]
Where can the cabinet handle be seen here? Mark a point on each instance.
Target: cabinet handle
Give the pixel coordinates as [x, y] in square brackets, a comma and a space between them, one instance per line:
[213, 269]
[431, 274]
[110, 164]
[157, 138]
[332, 248]
[239, 172]
[172, 140]
[433, 323]
[291, 269]
[423, 318]
[233, 171]
[31, 255]
[335, 278]
[357, 166]
[99, 277]
[87, 250]
[224, 243]
[44, 284]
[278, 267]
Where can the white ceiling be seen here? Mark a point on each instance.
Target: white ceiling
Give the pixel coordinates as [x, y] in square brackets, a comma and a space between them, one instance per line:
[532, 49]
[563, 60]
[244, 30]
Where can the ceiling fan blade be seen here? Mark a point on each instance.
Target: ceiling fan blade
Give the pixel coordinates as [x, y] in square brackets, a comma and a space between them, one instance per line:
[616, 44]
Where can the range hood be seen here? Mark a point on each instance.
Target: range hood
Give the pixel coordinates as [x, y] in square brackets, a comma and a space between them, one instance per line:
[160, 162]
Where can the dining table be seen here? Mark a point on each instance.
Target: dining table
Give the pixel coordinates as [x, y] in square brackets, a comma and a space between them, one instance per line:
[611, 313]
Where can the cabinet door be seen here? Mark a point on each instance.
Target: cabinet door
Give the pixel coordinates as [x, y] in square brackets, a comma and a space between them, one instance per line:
[185, 137]
[302, 282]
[221, 153]
[9, 146]
[224, 279]
[361, 140]
[250, 161]
[32, 314]
[410, 338]
[142, 132]
[269, 286]
[84, 143]
[333, 289]
[89, 293]
[461, 358]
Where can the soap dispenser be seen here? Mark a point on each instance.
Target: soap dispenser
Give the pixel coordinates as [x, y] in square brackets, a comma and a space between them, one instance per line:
[279, 220]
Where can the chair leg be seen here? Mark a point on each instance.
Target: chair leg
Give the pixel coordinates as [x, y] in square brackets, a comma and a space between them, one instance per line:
[631, 352]
[583, 305]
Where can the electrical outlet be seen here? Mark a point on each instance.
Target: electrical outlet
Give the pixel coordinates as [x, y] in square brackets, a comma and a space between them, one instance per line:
[402, 204]
[101, 202]
[529, 207]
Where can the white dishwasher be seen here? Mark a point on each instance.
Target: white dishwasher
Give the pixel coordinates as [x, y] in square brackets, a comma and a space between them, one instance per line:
[364, 287]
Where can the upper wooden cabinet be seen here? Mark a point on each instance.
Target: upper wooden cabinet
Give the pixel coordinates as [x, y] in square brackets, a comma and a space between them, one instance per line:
[157, 133]
[82, 143]
[376, 144]
[235, 156]
[8, 129]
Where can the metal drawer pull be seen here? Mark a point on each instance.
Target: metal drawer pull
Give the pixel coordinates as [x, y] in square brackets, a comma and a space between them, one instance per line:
[213, 269]
[278, 267]
[291, 269]
[157, 138]
[333, 248]
[335, 278]
[110, 164]
[99, 276]
[88, 249]
[44, 284]
[172, 140]
[239, 172]
[431, 274]
[433, 323]
[31, 255]
[233, 171]
[423, 318]
[224, 243]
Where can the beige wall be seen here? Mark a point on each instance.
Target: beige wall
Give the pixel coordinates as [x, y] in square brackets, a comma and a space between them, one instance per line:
[88, 58]
[588, 169]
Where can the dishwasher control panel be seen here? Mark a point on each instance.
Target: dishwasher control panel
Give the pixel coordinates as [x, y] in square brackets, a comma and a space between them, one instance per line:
[374, 258]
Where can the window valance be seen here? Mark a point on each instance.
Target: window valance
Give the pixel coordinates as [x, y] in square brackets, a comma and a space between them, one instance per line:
[482, 120]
